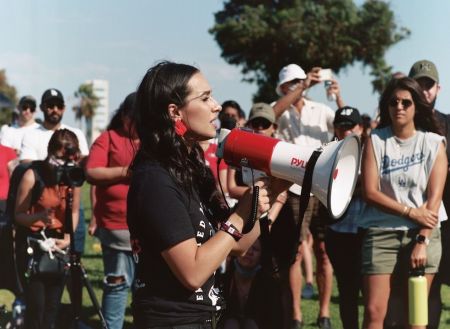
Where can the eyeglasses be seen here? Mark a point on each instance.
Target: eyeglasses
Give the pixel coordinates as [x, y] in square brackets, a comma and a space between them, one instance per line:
[260, 123]
[405, 102]
[28, 107]
[51, 105]
[346, 127]
[205, 97]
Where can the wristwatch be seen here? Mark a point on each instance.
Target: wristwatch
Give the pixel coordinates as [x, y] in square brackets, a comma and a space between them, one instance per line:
[422, 239]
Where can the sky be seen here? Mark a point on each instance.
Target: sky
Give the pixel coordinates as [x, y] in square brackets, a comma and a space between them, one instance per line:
[61, 44]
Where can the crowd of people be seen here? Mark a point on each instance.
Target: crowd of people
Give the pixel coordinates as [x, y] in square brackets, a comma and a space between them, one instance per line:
[202, 244]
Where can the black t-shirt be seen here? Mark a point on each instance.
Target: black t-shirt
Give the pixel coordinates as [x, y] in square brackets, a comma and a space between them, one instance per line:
[161, 215]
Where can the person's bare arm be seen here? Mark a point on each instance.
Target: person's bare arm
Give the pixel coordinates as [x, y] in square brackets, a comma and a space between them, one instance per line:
[295, 95]
[435, 190]
[23, 202]
[93, 222]
[372, 194]
[106, 175]
[193, 264]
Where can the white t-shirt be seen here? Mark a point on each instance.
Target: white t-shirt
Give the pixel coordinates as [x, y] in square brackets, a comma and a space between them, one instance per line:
[312, 127]
[404, 168]
[35, 142]
[12, 136]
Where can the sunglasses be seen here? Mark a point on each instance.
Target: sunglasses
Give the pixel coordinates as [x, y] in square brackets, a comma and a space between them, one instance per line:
[51, 105]
[346, 127]
[405, 102]
[28, 107]
[260, 123]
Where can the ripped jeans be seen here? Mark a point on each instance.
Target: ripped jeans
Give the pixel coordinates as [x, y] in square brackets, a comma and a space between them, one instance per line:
[118, 267]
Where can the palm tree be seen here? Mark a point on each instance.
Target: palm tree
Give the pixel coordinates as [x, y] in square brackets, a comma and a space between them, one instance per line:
[8, 99]
[86, 107]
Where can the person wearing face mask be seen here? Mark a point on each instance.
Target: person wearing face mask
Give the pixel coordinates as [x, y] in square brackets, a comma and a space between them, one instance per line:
[45, 217]
[252, 294]
[262, 121]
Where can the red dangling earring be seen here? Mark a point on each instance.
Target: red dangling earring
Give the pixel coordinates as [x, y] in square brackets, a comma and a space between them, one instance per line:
[180, 128]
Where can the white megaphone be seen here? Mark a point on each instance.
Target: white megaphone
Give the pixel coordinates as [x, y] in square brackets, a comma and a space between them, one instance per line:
[335, 172]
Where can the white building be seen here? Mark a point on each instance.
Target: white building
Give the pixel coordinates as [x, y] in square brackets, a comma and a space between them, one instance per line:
[101, 117]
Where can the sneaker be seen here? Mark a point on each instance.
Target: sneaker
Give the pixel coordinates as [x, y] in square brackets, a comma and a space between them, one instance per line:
[324, 323]
[297, 324]
[308, 291]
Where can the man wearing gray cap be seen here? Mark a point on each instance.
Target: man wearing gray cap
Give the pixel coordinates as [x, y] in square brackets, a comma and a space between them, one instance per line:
[426, 74]
[12, 135]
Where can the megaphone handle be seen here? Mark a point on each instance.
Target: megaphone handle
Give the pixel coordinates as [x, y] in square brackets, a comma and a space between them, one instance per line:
[253, 212]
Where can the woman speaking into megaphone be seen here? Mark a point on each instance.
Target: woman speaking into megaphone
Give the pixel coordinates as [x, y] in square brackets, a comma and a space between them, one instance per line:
[179, 236]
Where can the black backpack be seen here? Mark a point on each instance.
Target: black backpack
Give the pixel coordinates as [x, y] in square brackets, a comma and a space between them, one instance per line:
[9, 278]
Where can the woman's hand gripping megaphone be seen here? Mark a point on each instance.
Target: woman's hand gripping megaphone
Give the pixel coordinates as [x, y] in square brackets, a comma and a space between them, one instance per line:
[248, 204]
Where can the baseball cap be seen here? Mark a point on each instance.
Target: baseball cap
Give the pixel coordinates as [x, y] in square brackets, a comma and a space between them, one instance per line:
[29, 100]
[424, 68]
[289, 73]
[347, 116]
[262, 110]
[52, 94]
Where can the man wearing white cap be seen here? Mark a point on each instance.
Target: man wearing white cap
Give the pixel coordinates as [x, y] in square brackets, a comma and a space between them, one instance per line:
[304, 122]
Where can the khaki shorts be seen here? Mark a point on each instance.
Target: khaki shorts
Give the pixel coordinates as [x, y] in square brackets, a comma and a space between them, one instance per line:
[311, 212]
[389, 251]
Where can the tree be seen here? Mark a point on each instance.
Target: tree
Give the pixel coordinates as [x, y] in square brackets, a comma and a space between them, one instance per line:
[86, 107]
[8, 101]
[262, 36]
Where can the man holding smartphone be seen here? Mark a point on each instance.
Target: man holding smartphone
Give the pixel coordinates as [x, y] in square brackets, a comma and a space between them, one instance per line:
[305, 123]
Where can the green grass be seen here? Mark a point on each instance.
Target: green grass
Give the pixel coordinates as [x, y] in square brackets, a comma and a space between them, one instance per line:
[92, 262]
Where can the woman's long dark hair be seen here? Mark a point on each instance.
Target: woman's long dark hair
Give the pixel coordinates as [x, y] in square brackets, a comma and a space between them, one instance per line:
[163, 84]
[125, 109]
[423, 118]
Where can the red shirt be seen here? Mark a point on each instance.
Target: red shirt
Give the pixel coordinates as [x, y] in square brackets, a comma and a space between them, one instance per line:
[211, 160]
[52, 197]
[6, 155]
[112, 149]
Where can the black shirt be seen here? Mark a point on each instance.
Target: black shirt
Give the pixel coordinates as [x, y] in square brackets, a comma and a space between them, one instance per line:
[160, 215]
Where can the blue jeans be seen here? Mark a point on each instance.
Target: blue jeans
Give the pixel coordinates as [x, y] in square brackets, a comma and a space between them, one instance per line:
[79, 235]
[116, 263]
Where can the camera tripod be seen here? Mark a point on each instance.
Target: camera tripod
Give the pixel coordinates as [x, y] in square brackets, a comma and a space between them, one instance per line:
[78, 273]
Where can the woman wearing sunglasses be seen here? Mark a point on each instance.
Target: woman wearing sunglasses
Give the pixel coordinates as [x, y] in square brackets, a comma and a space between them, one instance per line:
[403, 166]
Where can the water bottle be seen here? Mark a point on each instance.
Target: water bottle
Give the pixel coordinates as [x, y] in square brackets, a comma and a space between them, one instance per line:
[18, 313]
[330, 95]
[418, 298]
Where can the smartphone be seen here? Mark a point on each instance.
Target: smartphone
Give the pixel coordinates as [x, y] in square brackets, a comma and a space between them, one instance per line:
[325, 74]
